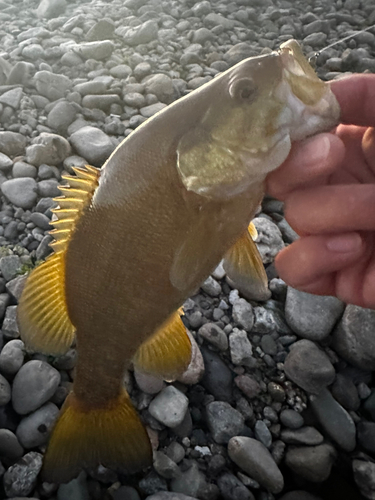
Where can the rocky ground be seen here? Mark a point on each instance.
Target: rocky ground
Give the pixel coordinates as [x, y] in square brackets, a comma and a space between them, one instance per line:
[279, 400]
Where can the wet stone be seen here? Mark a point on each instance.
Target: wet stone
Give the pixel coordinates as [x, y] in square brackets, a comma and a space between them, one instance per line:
[248, 385]
[169, 407]
[312, 463]
[262, 433]
[366, 436]
[164, 466]
[76, 489]
[9, 266]
[256, 461]
[309, 367]
[312, 316]
[214, 335]
[232, 488]
[34, 385]
[21, 192]
[5, 391]
[223, 421]
[334, 419]
[345, 392]
[364, 476]
[20, 479]
[11, 357]
[190, 482]
[35, 429]
[291, 419]
[304, 435]
[10, 447]
[217, 379]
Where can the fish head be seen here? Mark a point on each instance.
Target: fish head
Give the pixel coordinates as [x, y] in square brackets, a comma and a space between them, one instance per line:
[252, 114]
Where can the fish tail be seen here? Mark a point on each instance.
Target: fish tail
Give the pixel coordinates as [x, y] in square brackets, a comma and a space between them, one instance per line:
[112, 435]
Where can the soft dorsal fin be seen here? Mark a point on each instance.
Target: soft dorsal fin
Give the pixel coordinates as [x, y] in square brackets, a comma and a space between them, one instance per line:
[42, 313]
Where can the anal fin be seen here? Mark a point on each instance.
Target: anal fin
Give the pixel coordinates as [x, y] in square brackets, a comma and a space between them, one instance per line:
[167, 353]
[243, 265]
[42, 313]
[83, 438]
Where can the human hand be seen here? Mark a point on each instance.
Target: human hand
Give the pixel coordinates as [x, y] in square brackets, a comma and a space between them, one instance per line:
[328, 185]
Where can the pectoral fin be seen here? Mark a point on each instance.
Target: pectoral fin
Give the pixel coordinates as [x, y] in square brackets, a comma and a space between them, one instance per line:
[167, 353]
[244, 267]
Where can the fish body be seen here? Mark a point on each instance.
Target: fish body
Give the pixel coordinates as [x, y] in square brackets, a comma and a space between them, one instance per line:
[134, 240]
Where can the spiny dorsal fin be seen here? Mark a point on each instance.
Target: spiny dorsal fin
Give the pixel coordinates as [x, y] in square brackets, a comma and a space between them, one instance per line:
[43, 317]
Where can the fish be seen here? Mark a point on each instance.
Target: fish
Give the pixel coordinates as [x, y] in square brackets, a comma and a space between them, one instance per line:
[133, 240]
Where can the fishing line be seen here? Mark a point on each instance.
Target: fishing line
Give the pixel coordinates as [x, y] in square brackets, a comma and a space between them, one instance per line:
[312, 59]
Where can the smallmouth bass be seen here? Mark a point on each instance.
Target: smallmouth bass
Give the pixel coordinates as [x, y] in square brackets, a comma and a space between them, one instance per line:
[135, 239]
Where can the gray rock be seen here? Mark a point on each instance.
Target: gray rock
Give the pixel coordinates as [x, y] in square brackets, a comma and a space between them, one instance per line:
[93, 87]
[169, 407]
[76, 489]
[304, 435]
[238, 52]
[23, 169]
[353, 339]
[232, 488]
[34, 384]
[12, 98]
[126, 493]
[102, 30]
[202, 35]
[334, 419]
[5, 391]
[152, 109]
[134, 99]
[10, 325]
[211, 287]
[240, 349]
[223, 421]
[20, 479]
[51, 8]
[15, 287]
[269, 240]
[98, 50]
[217, 379]
[364, 476]
[213, 334]
[312, 316]
[121, 71]
[345, 392]
[195, 370]
[51, 85]
[21, 192]
[103, 102]
[248, 385]
[313, 463]
[366, 436]
[190, 482]
[143, 33]
[12, 143]
[201, 8]
[148, 383]
[262, 433]
[11, 357]
[164, 466]
[316, 26]
[93, 144]
[213, 19]
[254, 459]
[34, 51]
[4, 302]
[9, 266]
[9, 445]
[291, 419]
[40, 220]
[51, 149]
[61, 116]
[5, 162]
[35, 429]
[243, 314]
[161, 85]
[48, 188]
[309, 367]
[316, 40]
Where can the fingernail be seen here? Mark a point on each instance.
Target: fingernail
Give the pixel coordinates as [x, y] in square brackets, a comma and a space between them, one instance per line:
[313, 150]
[344, 243]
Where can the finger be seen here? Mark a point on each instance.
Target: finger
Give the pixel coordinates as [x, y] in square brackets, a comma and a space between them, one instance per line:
[310, 162]
[368, 147]
[332, 209]
[307, 262]
[356, 96]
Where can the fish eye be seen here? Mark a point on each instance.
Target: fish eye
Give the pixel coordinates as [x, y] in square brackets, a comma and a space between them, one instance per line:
[243, 89]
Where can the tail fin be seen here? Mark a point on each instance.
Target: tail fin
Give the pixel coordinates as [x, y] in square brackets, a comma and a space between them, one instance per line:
[83, 438]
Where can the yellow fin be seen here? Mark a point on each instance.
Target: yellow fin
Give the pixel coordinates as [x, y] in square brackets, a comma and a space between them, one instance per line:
[253, 231]
[244, 267]
[167, 353]
[83, 438]
[41, 313]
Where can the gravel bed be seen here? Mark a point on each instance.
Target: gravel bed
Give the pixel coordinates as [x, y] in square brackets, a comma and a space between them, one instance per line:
[279, 400]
